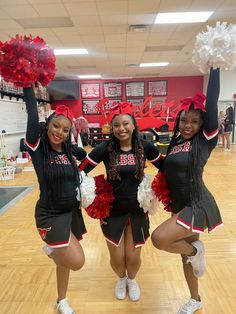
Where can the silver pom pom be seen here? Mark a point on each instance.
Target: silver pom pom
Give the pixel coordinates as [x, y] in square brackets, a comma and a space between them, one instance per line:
[216, 48]
[146, 197]
[87, 190]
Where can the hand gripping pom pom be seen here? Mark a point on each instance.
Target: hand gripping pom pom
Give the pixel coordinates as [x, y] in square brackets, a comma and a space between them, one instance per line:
[146, 196]
[87, 190]
[96, 196]
[216, 48]
[26, 60]
[161, 190]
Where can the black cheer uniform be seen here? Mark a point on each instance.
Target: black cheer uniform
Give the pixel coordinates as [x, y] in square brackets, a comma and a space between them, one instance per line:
[125, 207]
[175, 167]
[59, 214]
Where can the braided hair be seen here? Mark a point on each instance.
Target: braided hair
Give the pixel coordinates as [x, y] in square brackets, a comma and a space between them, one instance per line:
[194, 167]
[137, 150]
[53, 173]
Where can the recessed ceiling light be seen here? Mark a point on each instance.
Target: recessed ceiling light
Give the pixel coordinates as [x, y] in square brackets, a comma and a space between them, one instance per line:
[182, 17]
[66, 52]
[154, 64]
[89, 76]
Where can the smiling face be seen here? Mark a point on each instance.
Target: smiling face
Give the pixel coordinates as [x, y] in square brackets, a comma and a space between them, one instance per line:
[190, 123]
[58, 131]
[123, 128]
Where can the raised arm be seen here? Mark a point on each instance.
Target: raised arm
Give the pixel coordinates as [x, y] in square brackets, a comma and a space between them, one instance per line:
[210, 123]
[33, 126]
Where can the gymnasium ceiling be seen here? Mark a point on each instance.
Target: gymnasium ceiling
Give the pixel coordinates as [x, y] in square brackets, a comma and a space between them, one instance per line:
[103, 27]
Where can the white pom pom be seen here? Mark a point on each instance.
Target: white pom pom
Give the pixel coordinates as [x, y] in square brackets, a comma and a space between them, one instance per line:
[216, 48]
[87, 190]
[146, 197]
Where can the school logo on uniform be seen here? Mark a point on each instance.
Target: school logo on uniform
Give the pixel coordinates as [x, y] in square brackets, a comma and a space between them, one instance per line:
[126, 159]
[183, 147]
[43, 232]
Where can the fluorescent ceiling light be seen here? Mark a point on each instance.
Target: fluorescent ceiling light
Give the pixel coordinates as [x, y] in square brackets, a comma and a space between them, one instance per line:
[154, 64]
[66, 52]
[91, 76]
[182, 17]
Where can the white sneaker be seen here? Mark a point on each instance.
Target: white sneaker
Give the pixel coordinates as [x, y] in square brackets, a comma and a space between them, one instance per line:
[198, 261]
[191, 307]
[63, 307]
[133, 289]
[47, 250]
[120, 288]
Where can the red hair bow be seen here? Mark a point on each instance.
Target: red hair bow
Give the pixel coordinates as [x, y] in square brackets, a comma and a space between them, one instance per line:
[65, 111]
[197, 102]
[121, 108]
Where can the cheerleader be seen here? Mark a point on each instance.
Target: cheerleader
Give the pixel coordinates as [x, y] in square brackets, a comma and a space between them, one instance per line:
[58, 216]
[127, 227]
[192, 205]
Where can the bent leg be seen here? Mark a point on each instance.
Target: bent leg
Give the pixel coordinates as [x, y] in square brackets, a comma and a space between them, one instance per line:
[71, 257]
[191, 280]
[63, 274]
[171, 237]
[66, 259]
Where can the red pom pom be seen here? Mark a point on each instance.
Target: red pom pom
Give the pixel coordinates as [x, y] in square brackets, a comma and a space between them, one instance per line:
[100, 208]
[161, 190]
[26, 60]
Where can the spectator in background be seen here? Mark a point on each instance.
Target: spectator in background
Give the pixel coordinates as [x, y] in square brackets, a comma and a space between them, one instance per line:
[228, 127]
[221, 119]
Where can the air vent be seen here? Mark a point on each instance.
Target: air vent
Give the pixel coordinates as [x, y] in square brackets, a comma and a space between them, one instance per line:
[139, 28]
[164, 48]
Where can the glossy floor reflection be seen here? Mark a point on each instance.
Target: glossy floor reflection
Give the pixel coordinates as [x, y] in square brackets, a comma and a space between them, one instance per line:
[10, 195]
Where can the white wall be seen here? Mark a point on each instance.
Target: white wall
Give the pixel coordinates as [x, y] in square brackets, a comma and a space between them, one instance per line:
[228, 85]
[14, 122]
[12, 142]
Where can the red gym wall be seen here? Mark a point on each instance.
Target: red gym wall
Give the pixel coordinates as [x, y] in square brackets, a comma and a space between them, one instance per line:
[177, 88]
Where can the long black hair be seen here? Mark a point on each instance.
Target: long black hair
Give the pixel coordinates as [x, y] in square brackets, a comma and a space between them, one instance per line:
[137, 150]
[54, 174]
[194, 167]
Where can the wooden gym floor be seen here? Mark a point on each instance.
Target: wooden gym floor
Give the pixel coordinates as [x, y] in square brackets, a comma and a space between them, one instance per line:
[27, 276]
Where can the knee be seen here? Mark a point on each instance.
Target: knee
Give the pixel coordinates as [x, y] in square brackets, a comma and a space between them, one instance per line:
[117, 261]
[132, 259]
[77, 264]
[158, 240]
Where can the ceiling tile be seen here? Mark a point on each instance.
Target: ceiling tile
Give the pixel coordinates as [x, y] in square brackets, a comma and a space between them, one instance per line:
[20, 11]
[52, 9]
